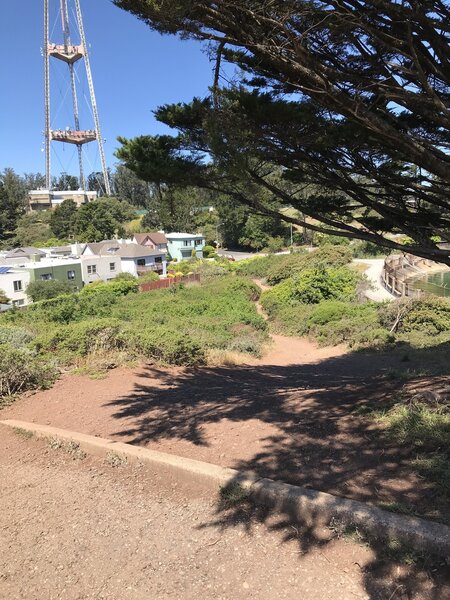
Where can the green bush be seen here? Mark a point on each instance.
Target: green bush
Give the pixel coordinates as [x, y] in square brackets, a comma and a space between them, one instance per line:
[171, 347]
[368, 250]
[82, 338]
[124, 277]
[148, 277]
[258, 266]
[322, 258]
[209, 251]
[44, 290]
[311, 286]
[20, 370]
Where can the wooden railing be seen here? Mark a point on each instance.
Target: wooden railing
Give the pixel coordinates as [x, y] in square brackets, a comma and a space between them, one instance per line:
[397, 273]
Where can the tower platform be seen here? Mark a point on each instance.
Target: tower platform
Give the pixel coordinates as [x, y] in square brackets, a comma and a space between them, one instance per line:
[73, 136]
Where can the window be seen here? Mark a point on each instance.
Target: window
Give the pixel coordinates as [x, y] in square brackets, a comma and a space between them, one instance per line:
[112, 266]
[140, 262]
[92, 269]
[18, 302]
[198, 242]
[17, 286]
[46, 276]
[71, 275]
[187, 243]
[158, 259]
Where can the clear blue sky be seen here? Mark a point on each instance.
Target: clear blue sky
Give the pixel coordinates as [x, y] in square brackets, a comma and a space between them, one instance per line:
[134, 68]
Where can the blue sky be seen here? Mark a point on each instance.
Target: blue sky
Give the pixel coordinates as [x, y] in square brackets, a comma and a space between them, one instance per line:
[134, 68]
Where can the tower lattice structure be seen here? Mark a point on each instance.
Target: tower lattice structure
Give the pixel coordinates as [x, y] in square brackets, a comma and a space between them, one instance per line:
[70, 53]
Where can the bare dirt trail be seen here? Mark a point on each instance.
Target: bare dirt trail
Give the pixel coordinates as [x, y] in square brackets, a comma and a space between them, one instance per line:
[80, 529]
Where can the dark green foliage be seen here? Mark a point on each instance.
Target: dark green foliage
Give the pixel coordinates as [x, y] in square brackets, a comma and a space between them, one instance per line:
[4, 298]
[313, 285]
[33, 229]
[44, 290]
[315, 130]
[62, 220]
[324, 257]
[102, 219]
[12, 202]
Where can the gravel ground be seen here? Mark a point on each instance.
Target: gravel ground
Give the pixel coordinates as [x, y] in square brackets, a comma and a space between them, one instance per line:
[78, 528]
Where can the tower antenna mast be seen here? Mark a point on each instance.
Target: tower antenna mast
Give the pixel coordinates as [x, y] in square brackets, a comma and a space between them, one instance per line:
[71, 53]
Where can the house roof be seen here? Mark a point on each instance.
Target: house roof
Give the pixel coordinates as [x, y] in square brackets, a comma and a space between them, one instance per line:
[157, 237]
[137, 251]
[115, 248]
[181, 236]
[25, 251]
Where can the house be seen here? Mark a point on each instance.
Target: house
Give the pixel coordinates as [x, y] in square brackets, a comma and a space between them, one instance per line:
[155, 240]
[62, 269]
[14, 282]
[185, 245]
[100, 267]
[134, 259]
[19, 256]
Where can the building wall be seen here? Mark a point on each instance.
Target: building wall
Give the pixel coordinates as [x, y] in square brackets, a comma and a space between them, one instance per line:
[102, 270]
[130, 265]
[59, 272]
[7, 280]
[178, 249]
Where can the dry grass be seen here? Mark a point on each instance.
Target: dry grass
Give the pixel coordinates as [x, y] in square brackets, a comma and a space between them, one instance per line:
[217, 358]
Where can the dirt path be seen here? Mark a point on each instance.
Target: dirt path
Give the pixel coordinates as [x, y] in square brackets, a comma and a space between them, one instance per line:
[374, 270]
[80, 529]
[289, 416]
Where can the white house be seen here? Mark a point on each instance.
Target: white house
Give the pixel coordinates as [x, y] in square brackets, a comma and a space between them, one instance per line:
[134, 259]
[14, 282]
[100, 268]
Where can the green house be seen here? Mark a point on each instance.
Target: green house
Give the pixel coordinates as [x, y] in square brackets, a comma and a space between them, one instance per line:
[66, 270]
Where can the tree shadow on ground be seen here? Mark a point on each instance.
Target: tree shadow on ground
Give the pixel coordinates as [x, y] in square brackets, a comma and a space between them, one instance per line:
[318, 438]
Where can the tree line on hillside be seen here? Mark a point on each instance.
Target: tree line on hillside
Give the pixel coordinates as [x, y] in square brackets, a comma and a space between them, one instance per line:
[338, 109]
[136, 206]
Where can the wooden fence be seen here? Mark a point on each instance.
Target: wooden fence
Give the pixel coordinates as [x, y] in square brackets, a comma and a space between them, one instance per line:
[169, 282]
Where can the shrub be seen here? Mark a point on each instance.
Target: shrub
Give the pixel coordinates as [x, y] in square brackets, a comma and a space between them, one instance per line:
[125, 277]
[311, 286]
[209, 251]
[275, 244]
[256, 267]
[44, 290]
[324, 257]
[20, 371]
[61, 309]
[168, 346]
[429, 317]
[368, 249]
[83, 338]
[148, 277]
[17, 337]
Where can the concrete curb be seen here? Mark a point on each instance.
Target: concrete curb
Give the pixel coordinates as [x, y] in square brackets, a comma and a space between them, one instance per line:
[305, 505]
